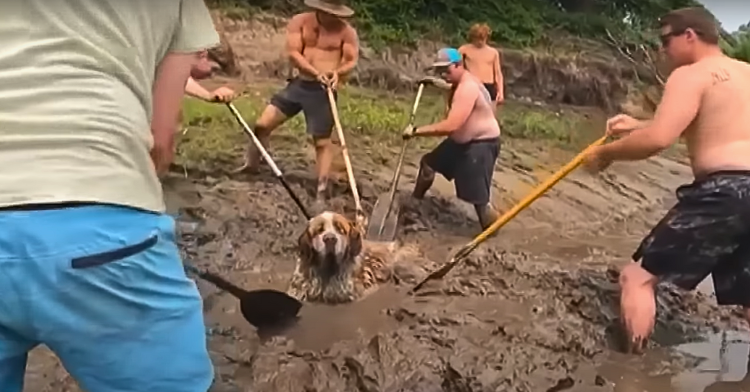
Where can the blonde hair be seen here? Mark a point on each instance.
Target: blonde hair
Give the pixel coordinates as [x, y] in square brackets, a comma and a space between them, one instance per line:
[479, 31]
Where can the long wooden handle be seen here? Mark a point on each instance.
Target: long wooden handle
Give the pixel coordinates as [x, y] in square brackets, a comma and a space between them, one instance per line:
[400, 163]
[505, 218]
[345, 152]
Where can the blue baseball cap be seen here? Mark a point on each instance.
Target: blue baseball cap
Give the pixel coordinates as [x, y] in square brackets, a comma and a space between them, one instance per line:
[447, 56]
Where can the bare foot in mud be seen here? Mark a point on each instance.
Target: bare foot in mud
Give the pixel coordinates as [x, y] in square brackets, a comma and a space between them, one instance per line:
[634, 343]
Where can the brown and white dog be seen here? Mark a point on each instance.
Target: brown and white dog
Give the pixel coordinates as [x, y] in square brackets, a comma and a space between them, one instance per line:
[336, 265]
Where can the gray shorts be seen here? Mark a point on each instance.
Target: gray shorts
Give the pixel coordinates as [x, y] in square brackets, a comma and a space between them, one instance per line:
[469, 165]
[311, 98]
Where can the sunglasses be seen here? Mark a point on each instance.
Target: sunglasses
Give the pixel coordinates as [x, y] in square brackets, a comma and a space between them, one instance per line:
[666, 39]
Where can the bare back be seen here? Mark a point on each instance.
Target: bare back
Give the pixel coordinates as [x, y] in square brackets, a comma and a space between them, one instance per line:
[481, 123]
[324, 49]
[480, 61]
[719, 136]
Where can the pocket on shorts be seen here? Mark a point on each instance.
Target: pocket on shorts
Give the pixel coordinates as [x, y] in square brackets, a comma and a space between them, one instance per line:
[117, 254]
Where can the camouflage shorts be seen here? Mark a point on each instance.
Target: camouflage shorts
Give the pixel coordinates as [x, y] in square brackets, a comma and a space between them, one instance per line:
[706, 232]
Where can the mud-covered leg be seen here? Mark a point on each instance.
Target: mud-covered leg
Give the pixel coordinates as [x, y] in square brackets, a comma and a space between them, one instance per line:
[323, 159]
[425, 178]
[271, 118]
[637, 306]
[486, 215]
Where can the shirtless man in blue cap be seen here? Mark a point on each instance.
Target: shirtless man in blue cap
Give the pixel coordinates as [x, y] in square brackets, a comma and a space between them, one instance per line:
[468, 154]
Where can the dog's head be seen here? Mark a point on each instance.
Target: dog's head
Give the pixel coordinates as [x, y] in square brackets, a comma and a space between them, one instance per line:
[330, 244]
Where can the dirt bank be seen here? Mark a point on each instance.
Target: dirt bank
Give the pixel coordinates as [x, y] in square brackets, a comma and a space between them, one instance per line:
[587, 75]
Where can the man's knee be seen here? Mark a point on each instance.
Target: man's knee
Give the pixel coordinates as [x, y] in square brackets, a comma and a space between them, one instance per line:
[425, 170]
[633, 275]
[262, 130]
[322, 143]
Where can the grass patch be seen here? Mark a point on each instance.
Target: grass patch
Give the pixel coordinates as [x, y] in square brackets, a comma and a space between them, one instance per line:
[372, 121]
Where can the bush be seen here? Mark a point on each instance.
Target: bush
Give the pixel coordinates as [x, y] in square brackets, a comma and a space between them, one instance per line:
[515, 23]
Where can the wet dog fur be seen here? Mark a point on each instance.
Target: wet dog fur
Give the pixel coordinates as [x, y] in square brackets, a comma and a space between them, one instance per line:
[337, 265]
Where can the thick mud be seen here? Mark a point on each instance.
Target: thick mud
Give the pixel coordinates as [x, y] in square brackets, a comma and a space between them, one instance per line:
[533, 309]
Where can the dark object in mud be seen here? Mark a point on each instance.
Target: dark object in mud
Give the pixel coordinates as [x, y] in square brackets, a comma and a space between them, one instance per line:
[505, 218]
[261, 308]
[266, 157]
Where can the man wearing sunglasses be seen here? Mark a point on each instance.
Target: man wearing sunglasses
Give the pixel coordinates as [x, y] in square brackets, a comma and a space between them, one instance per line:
[468, 155]
[707, 101]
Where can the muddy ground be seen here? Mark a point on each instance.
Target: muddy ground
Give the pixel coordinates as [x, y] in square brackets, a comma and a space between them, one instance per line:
[533, 309]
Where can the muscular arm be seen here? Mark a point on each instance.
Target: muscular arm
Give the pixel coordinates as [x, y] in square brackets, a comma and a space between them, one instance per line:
[294, 46]
[168, 89]
[463, 103]
[499, 78]
[679, 106]
[349, 52]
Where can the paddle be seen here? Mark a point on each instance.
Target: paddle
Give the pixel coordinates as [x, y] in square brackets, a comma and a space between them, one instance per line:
[261, 308]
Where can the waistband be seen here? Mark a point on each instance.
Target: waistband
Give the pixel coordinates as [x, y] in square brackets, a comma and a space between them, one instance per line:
[722, 173]
[48, 206]
[489, 140]
[306, 84]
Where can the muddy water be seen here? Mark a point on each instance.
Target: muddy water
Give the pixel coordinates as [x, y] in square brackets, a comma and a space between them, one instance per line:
[534, 309]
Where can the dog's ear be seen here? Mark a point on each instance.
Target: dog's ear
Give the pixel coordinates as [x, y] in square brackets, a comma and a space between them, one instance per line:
[304, 246]
[355, 241]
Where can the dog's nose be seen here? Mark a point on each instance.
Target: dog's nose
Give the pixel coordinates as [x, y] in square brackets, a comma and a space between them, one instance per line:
[329, 240]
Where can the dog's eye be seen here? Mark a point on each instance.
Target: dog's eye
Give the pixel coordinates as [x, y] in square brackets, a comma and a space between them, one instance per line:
[317, 229]
[340, 227]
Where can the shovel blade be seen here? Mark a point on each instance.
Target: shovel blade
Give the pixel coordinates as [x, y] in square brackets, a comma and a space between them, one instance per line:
[269, 308]
[381, 227]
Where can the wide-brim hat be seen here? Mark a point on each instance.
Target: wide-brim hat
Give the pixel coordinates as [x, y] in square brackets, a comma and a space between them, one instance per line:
[333, 7]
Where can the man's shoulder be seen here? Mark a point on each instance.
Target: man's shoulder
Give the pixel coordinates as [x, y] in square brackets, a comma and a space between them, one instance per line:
[470, 85]
[349, 30]
[696, 74]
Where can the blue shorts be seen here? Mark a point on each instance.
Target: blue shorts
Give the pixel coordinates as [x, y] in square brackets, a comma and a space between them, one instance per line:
[104, 288]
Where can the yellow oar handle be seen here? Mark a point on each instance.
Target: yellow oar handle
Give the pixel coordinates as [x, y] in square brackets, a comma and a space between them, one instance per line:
[539, 191]
[500, 222]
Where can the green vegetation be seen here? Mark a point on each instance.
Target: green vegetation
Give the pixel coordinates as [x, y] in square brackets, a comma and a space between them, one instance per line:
[372, 123]
[738, 44]
[515, 23]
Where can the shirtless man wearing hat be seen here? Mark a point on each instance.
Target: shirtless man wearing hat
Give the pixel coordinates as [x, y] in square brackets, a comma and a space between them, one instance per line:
[324, 48]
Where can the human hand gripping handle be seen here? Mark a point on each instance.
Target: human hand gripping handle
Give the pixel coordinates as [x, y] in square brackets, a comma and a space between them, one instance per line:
[222, 95]
[409, 132]
[622, 124]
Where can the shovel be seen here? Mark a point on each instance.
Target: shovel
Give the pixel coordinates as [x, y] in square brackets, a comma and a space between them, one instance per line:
[361, 218]
[268, 159]
[384, 217]
[500, 222]
[261, 308]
